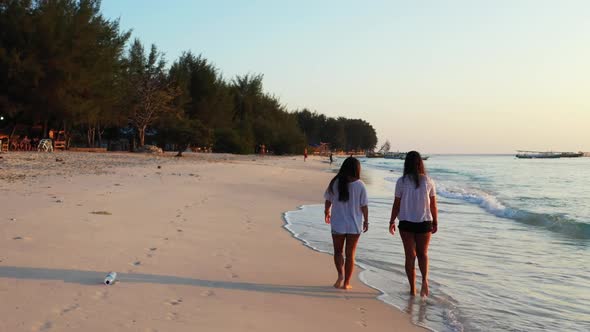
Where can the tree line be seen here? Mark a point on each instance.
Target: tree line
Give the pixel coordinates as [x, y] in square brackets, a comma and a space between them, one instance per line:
[64, 65]
[342, 133]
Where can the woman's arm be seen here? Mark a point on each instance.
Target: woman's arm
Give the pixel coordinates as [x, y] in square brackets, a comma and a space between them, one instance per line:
[327, 214]
[434, 211]
[394, 214]
[365, 210]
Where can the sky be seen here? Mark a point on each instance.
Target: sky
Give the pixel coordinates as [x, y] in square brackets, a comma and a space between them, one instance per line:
[439, 76]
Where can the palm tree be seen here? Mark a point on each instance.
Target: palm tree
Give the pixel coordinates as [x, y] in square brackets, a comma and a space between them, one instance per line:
[247, 92]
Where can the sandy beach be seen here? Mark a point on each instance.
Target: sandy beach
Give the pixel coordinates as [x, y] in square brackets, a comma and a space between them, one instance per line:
[198, 243]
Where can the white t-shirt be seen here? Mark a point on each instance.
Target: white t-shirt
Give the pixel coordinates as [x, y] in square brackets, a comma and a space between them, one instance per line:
[415, 202]
[347, 217]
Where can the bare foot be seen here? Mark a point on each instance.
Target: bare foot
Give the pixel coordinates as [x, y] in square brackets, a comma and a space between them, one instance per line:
[346, 286]
[338, 283]
[424, 291]
[412, 292]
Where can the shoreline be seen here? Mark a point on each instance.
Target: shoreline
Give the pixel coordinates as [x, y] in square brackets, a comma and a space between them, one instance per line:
[359, 271]
[223, 210]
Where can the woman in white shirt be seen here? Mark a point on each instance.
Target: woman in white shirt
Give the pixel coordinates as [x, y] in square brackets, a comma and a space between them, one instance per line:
[345, 206]
[415, 207]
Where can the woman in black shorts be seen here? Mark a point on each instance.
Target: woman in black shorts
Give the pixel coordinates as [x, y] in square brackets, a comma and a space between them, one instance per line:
[415, 207]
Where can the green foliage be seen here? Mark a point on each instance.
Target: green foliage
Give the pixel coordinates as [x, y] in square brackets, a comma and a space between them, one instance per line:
[63, 65]
[59, 62]
[341, 133]
[183, 133]
[227, 140]
[149, 90]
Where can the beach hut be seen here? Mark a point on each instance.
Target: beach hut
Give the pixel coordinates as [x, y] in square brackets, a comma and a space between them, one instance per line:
[59, 139]
[3, 143]
[322, 149]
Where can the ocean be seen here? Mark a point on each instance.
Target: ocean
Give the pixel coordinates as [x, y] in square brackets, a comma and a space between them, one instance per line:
[512, 249]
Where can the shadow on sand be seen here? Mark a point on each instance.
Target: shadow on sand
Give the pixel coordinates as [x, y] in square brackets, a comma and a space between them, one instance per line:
[93, 278]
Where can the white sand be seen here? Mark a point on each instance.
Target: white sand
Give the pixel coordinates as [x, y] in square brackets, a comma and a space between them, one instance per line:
[198, 245]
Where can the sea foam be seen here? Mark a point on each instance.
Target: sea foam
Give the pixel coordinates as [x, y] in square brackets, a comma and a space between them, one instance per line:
[560, 223]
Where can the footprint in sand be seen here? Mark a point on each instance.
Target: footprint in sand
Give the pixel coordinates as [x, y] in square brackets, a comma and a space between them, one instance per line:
[174, 302]
[249, 223]
[102, 213]
[363, 321]
[150, 252]
[64, 310]
[20, 238]
[136, 263]
[41, 327]
[229, 268]
[100, 295]
[171, 316]
[208, 293]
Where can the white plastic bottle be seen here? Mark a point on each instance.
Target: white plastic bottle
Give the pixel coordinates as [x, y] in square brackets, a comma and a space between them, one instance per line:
[110, 278]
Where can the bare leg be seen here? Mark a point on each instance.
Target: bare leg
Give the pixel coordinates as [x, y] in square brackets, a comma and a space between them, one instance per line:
[338, 241]
[351, 242]
[422, 241]
[409, 241]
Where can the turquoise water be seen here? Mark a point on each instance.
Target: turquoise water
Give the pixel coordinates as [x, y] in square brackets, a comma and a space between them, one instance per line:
[511, 253]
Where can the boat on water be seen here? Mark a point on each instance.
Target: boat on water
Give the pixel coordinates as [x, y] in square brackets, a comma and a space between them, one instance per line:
[395, 155]
[522, 154]
[381, 153]
[400, 155]
[572, 154]
[373, 154]
[384, 152]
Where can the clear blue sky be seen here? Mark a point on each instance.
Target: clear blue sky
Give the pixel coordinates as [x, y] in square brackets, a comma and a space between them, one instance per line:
[437, 76]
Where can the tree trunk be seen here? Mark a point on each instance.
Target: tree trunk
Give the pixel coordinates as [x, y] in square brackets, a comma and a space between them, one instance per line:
[181, 149]
[45, 128]
[142, 135]
[100, 132]
[66, 136]
[90, 135]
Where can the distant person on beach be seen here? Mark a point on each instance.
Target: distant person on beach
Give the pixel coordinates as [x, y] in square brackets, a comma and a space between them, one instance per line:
[345, 207]
[331, 158]
[415, 207]
[305, 154]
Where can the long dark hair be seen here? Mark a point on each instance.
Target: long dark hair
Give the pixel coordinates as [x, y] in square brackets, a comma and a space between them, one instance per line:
[414, 167]
[349, 171]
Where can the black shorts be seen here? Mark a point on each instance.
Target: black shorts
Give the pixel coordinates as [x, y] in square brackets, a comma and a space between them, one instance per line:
[415, 227]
